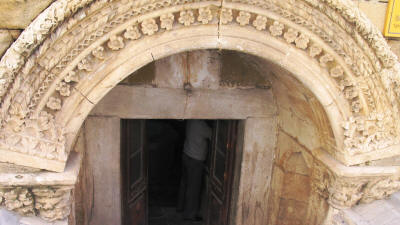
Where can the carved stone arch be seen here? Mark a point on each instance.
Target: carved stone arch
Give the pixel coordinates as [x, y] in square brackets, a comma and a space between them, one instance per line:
[49, 73]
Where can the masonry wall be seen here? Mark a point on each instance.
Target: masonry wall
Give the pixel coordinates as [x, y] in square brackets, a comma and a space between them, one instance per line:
[293, 200]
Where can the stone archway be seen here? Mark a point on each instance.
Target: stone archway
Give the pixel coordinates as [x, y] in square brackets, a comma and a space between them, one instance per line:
[73, 53]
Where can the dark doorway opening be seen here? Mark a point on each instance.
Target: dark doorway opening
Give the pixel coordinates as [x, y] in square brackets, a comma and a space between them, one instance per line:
[151, 167]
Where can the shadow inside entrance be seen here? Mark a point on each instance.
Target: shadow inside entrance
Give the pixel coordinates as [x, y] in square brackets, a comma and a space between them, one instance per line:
[165, 141]
[163, 215]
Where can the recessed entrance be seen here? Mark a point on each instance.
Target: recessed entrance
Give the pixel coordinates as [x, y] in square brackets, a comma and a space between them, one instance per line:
[154, 185]
[272, 174]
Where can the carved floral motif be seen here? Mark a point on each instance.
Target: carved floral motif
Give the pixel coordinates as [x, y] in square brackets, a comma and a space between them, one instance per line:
[99, 53]
[345, 192]
[186, 17]
[244, 18]
[356, 106]
[302, 41]
[205, 15]
[19, 200]
[365, 133]
[291, 35]
[336, 71]
[149, 26]
[276, 29]
[325, 59]
[132, 33]
[115, 43]
[39, 136]
[350, 92]
[260, 23]
[167, 21]
[54, 103]
[50, 203]
[72, 76]
[84, 65]
[64, 89]
[226, 16]
[315, 51]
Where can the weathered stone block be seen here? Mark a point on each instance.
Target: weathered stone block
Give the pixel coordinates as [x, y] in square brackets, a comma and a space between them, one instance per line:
[296, 186]
[17, 14]
[375, 11]
[5, 40]
[292, 212]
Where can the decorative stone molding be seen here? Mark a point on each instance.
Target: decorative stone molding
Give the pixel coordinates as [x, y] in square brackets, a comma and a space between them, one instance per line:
[49, 203]
[343, 187]
[40, 70]
[39, 193]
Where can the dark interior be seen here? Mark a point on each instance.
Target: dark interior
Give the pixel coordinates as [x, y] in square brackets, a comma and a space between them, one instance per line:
[164, 142]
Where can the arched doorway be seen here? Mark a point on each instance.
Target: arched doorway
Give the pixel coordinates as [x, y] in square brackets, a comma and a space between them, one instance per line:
[215, 84]
[51, 83]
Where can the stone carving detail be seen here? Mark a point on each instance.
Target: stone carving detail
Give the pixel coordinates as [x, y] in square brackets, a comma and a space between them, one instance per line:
[365, 133]
[302, 41]
[186, 17]
[380, 189]
[54, 103]
[325, 59]
[291, 35]
[98, 53]
[260, 23]
[50, 203]
[64, 89]
[344, 192]
[167, 21]
[149, 27]
[361, 48]
[276, 29]
[315, 51]
[38, 136]
[116, 43]
[19, 200]
[244, 18]
[337, 71]
[71, 77]
[356, 106]
[226, 16]
[85, 64]
[133, 32]
[205, 15]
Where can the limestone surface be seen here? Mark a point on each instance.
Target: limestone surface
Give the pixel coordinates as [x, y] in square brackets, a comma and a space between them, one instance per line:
[18, 14]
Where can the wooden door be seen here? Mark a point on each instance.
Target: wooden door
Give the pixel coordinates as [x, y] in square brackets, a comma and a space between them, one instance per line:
[134, 173]
[221, 171]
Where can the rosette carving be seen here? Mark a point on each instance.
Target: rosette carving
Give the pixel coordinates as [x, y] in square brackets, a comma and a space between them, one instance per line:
[186, 17]
[291, 35]
[276, 29]
[99, 53]
[116, 43]
[205, 15]
[226, 16]
[260, 23]
[244, 18]
[149, 26]
[132, 33]
[167, 21]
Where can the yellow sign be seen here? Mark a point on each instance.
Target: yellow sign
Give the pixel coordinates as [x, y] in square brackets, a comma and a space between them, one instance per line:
[392, 23]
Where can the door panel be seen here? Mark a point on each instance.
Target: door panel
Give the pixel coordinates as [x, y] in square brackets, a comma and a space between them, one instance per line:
[134, 172]
[221, 171]
[137, 211]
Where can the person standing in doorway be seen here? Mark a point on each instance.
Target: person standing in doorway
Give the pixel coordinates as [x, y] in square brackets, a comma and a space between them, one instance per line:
[198, 136]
